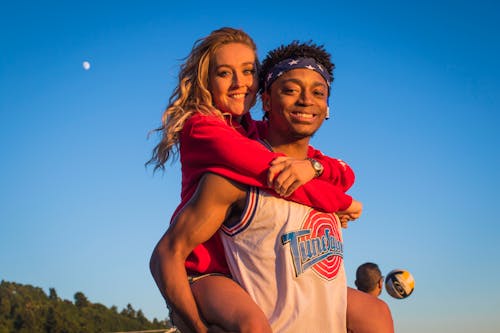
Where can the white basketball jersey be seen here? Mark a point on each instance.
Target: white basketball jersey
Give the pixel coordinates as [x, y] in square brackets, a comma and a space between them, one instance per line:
[289, 258]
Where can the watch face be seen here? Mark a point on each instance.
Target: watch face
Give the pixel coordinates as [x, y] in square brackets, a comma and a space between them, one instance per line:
[318, 167]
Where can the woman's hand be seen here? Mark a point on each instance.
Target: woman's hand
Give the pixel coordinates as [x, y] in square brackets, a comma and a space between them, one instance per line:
[286, 174]
[350, 214]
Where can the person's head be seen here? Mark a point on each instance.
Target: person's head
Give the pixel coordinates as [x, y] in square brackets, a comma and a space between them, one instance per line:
[220, 64]
[218, 77]
[369, 279]
[294, 82]
[233, 78]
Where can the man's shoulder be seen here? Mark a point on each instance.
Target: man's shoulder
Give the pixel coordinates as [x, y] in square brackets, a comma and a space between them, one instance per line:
[221, 186]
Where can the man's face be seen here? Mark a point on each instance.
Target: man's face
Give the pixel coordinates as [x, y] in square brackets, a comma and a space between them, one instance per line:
[297, 103]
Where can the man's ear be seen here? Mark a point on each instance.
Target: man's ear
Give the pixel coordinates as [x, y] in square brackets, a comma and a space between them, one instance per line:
[266, 102]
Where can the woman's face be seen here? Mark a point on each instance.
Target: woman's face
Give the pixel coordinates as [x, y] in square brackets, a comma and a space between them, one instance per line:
[233, 79]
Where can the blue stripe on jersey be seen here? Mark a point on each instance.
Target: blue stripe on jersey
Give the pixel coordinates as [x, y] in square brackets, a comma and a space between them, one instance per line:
[247, 215]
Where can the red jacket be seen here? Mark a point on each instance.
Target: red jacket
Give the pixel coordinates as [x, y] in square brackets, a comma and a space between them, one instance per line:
[209, 144]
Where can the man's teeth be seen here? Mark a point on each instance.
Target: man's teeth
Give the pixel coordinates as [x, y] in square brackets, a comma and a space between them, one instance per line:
[304, 115]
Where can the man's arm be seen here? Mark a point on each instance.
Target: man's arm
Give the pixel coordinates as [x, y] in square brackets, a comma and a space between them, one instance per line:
[195, 223]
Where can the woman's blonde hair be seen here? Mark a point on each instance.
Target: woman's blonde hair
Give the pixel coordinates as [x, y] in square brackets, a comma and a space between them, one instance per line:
[192, 93]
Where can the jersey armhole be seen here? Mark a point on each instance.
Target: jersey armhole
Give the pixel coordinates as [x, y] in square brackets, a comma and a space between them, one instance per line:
[247, 215]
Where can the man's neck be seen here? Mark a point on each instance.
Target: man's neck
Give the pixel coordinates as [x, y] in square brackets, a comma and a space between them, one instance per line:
[375, 292]
[291, 147]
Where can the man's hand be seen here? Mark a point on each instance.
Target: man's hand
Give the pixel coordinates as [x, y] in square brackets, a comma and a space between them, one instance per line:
[350, 214]
[286, 174]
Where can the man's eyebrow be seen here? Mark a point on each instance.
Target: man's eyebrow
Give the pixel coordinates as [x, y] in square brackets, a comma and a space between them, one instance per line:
[299, 82]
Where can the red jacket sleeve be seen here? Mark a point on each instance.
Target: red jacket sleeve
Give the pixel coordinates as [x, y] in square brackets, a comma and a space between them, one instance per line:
[208, 144]
[336, 171]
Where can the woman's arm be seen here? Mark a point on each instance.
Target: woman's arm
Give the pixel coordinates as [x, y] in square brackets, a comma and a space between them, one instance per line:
[208, 144]
[335, 170]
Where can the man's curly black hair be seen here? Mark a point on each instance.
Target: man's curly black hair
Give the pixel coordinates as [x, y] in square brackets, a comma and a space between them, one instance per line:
[295, 50]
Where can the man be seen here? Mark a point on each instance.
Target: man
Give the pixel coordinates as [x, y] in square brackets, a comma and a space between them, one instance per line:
[293, 266]
[365, 305]
[369, 279]
[287, 256]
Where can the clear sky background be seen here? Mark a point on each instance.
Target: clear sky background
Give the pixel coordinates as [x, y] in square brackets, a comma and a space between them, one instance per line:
[415, 104]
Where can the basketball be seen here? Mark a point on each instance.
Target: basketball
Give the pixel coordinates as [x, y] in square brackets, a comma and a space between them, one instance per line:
[399, 283]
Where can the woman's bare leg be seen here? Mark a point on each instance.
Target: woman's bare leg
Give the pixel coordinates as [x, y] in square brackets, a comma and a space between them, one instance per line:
[224, 303]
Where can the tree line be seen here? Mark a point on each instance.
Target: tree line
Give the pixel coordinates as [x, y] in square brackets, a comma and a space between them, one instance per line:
[28, 309]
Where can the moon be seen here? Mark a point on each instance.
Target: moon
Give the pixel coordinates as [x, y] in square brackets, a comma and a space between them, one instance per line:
[86, 65]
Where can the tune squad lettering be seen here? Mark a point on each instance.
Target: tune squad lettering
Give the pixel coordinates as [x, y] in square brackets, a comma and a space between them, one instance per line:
[308, 251]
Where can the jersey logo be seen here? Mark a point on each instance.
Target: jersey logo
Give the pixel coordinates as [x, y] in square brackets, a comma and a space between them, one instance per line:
[317, 245]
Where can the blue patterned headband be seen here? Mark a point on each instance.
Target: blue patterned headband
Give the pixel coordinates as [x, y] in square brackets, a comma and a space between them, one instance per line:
[289, 64]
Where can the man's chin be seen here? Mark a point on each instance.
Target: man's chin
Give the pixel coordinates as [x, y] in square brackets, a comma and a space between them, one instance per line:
[301, 134]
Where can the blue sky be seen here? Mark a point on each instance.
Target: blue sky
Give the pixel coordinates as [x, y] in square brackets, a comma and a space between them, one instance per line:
[415, 105]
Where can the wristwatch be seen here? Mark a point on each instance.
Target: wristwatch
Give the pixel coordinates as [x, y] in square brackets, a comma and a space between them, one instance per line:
[318, 167]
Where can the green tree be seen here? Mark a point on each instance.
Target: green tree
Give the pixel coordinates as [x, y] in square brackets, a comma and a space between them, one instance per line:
[52, 322]
[53, 294]
[4, 306]
[141, 318]
[129, 311]
[81, 300]
[28, 309]
[4, 328]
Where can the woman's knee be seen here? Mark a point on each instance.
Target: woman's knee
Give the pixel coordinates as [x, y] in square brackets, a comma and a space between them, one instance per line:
[225, 303]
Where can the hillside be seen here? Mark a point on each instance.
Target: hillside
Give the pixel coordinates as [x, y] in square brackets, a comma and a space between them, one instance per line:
[28, 309]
